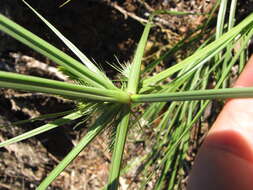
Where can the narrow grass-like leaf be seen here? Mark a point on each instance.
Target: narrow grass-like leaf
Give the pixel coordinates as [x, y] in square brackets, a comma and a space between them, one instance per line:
[66, 2]
[221, 19]
[69, 44]
[195, 95]
[219, 32]
[186, 41]
[179, 137]
[226, 70]
[56, 55]
[135, 70]
[212, 14]
[93, 131]
[242, 60]
[182, 43]
[43, 128]
[118, 149]
[203, 53]
[170, 170]
[42, 117]
[232, 14]
[37, 84]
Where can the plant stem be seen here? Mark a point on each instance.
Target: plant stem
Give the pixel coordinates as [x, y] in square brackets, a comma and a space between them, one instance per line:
[37, 84]
[195, 95]
[118, 149]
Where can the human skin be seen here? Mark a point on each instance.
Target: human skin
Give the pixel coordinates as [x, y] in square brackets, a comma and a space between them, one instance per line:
[225, 159]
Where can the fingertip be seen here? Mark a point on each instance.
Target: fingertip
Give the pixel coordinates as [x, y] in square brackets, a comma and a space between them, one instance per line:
[223, 163]
[225, 160]
[246, 77]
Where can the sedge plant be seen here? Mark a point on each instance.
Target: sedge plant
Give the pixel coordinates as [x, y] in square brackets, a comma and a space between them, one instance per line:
[174, 106]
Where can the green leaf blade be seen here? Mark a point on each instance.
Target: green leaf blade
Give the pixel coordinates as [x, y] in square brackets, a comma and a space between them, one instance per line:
[69, 44]
[134, 76]
[94, 130]
[56, 55]
[195, 95]
[43, 128]
[201, 55]
[37, 84]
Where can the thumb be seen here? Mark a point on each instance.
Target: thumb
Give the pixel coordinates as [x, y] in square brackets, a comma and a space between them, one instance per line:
[225, 160]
